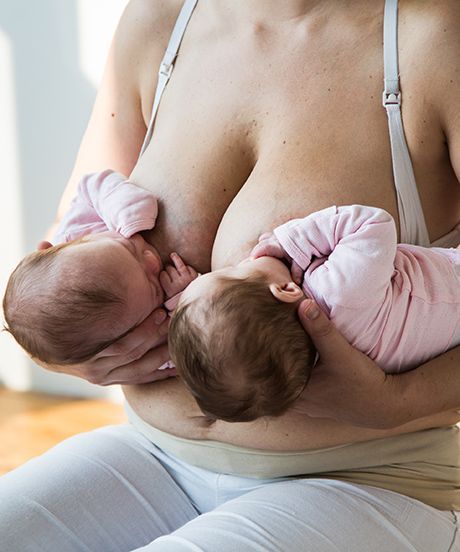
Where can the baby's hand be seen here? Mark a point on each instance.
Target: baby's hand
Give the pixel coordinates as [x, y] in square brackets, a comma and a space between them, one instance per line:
[175, 279]
[269, 246]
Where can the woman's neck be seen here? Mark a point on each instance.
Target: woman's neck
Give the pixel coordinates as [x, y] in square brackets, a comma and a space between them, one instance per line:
[269, 11]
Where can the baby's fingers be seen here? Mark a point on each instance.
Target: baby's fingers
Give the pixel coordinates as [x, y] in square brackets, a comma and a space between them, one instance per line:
[183, 269]
[192, 273]
[165, 278]
[267, 249]
[178, 262]
[297, 273]
[172, 272]
[265, 236]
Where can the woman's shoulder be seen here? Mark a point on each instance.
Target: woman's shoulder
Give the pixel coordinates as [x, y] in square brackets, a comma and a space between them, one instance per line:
[432, 27]
[151, 19]
[145, 27]
[140, 42]
[429, 41]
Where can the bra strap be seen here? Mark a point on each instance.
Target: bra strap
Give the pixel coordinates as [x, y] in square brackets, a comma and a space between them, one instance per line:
[411, 218]
[167, 63]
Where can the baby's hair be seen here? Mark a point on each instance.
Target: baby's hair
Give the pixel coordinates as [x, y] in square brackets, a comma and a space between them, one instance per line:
[53, 319]
[242, 353]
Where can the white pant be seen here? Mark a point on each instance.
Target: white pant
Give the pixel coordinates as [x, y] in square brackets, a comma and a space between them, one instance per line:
[112, 490]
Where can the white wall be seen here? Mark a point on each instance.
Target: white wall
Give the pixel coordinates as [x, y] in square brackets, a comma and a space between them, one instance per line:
[52, 54]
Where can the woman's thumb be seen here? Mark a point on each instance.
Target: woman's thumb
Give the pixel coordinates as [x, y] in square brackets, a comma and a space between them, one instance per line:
[325, 336]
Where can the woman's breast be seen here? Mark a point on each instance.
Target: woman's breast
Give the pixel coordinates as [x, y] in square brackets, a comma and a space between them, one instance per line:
[226, 166]
[216, 199]
[288, 184]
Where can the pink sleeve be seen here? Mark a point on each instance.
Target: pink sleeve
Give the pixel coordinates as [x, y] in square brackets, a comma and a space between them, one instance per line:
[81, 218]
[357, 245]
[107, 201]
[123, 206]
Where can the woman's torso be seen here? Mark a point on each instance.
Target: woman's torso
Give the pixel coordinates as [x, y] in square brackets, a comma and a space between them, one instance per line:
[261, 123]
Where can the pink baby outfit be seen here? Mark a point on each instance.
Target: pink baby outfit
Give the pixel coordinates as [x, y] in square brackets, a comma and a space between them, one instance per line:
[107, 201]
[399, 304]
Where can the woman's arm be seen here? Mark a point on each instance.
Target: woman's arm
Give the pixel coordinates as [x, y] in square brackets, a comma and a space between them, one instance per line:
[117, 125]
[348, 386]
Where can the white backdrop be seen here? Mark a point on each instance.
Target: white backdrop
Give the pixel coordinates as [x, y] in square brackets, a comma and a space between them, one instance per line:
[52, 54]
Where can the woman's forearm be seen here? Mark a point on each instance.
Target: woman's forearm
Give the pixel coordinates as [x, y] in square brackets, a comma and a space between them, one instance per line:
[169, 407]
[432, 388]
[348, 386]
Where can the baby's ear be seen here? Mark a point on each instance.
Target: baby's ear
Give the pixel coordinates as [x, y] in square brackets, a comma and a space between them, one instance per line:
[286, 293]
[44, 245]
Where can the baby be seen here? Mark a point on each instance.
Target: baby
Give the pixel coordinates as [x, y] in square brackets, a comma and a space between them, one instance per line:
[67, 302]
[235, 337]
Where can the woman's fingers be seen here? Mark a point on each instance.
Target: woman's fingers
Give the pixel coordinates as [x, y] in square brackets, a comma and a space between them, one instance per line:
[131, 348]
[143, 370]
[345, 384]
[328, 341]
[134, 358]
[148, 334]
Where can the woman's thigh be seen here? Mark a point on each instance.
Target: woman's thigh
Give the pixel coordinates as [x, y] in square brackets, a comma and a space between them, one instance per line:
[98, 491]
[318, 516]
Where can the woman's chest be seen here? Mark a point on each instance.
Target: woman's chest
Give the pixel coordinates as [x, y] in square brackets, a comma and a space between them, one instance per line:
[219, 190]
[239, 148]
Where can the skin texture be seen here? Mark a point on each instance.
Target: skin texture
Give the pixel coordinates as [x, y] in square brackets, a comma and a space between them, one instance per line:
[291, 123]
[136, 263]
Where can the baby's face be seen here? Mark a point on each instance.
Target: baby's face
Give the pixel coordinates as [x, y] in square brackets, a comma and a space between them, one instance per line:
[132, 262]
[274, 271]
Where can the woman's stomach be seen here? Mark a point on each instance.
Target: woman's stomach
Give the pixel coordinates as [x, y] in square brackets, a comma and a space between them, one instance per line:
[169, 407]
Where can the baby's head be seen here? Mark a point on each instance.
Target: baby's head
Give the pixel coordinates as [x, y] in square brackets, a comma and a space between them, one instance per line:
[237, 342]
[66, 303]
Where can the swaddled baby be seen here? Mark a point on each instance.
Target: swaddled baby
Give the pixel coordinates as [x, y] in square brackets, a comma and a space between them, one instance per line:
[67, 302]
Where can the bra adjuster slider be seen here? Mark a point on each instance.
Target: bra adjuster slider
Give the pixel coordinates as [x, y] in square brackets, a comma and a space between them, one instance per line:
[166, 69]
[390, 98]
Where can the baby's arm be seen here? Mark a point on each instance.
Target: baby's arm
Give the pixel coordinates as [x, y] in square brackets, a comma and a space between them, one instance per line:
[107, 201]
[123, 206]
[359, 244]
[81, 218]
[269, 246]
[174, 279]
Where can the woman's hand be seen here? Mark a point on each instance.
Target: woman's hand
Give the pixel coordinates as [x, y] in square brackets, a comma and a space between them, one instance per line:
[141, 356]
[345, 384]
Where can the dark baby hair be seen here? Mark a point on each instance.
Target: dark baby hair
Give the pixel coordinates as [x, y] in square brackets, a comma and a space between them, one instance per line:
[247, 357]
[56, 321]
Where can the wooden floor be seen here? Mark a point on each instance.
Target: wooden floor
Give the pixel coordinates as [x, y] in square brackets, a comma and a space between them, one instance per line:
[31, 423]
